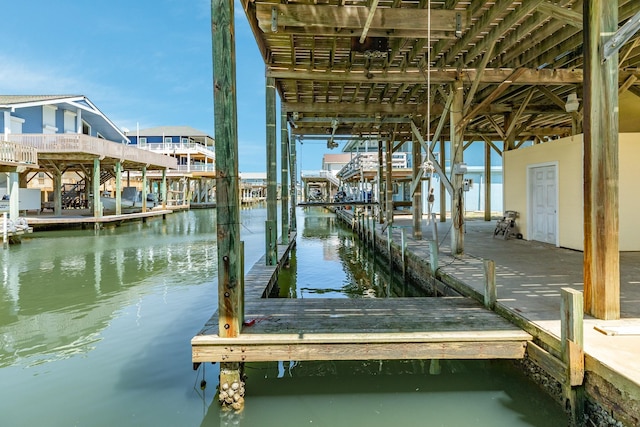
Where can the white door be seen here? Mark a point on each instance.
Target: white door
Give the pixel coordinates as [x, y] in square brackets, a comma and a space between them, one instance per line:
[543, 203]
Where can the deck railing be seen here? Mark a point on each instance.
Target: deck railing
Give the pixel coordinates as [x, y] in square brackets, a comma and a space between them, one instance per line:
[178, 148]
[11, 152]
[325, 174]
[369, 162]
[80, 143]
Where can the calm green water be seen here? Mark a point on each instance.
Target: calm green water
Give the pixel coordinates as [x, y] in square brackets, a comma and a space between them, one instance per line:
[95, 331]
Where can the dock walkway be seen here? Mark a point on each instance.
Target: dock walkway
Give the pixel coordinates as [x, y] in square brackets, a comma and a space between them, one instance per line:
[71, 218]
[357, 329]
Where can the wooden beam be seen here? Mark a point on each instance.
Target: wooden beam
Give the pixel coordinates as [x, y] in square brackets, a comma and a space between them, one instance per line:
[443, 177]
[491, 97]
[563, 14]
[354, 18]
[516, 117]
[476, 82]
[526, 76]
[621, 36]
[601, 222]
[497, 127]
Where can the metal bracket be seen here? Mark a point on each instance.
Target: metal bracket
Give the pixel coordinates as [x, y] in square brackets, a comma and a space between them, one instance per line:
[274, 19]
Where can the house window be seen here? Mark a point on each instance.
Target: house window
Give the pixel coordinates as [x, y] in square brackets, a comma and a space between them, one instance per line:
[168, 140]
[185, 140]
[143, 140]
[86, 128]
[69, 121]
[99, 135]
[49, 119]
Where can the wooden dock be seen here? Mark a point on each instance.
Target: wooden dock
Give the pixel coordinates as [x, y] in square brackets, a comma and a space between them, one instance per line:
[357, 329]
[79, 220]
[363, 329]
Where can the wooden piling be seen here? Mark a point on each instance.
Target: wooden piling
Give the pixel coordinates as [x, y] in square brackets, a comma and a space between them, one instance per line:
[227, 184]
[5, 230]
[433, 256]
[490, 291]
[403, 252]
[601, 166]
[118, 171]
[457, 135]
[284, 177]
[572, 353]
[272, 210]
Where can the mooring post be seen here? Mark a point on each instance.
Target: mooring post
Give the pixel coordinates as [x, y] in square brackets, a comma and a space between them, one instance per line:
[434, 227]
[490, 291]
[230, 317]
[572, 344]
[433, 256]
[403, 250]
[389, 235]
[373, 232]
[5, 230]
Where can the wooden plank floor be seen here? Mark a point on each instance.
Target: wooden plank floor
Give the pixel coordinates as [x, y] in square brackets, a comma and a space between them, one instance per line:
[357, 329]
[363, 329]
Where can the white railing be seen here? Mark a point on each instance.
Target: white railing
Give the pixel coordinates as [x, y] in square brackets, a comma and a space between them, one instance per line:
[177, 148]
[209, 167]
[79, 143]
[17, 153]
[367, 162]
[321, 174]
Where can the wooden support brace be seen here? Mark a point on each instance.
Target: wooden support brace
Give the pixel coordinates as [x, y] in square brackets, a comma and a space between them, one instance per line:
[436, 165]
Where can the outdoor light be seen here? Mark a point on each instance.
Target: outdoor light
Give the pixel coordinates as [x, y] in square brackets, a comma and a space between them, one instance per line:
[572, 103]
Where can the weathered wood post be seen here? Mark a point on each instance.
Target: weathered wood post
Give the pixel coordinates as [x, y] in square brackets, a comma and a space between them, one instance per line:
[433, 256]
[457, 135]
[271, 235]
[443, 189]
[118, 170]
[601, 257]
[95, 180]
[487, 181]
[294, 183]
[490, 291]
[387, 179]
[163, 189]
[403, 254]
[572, 344]
[284, 177]
[5, 230]
[57, 192]
[416, 200]
[230, 314]
[381, 192]
[144, 189]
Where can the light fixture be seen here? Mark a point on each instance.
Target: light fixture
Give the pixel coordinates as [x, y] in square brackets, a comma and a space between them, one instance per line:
[572, 103]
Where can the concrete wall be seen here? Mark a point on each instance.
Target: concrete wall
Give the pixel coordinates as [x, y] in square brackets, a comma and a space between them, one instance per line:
[567, 154]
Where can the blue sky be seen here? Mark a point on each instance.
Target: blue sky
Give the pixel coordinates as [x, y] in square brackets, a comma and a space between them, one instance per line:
[145, 62]
[142, 62]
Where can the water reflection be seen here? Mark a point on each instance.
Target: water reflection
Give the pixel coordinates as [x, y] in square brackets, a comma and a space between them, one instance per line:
[338, 265]
[58, 292]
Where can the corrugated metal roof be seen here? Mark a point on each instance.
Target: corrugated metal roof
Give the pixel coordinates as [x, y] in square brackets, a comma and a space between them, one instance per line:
[22, 99]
